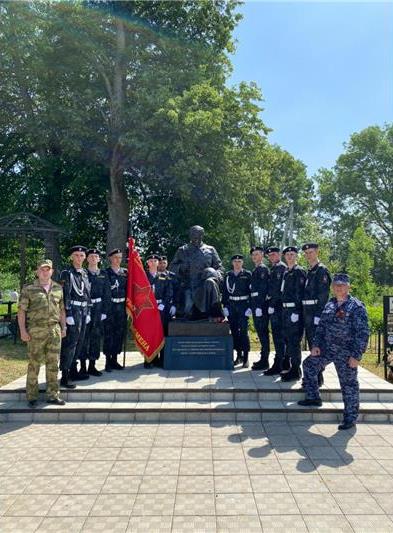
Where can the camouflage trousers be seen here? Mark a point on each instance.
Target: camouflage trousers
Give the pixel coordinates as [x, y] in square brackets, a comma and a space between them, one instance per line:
[348, 378]
[43, 348]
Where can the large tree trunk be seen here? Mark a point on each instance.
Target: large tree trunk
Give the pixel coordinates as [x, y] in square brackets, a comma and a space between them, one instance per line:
[118, 204]
[52, 251]
[118, 210]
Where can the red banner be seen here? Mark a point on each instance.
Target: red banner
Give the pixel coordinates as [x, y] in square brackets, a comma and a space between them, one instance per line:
[142, 308]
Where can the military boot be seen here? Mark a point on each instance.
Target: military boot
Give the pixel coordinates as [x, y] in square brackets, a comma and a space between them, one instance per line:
[239, 359]
[74, 375]
[92, 369]
[294, 374]
[114, 364]
[262, 364]
[108, 366]
[245, 360]
[64, 381]
[274, 370]
[83, 370]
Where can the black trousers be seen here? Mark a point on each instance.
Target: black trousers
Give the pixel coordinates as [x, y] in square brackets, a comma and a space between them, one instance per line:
[114, 329]
[93, 335]
[261, 324]
[72, 343]
[277, 332]
[293, 333]
[238, 323]
[309, 326]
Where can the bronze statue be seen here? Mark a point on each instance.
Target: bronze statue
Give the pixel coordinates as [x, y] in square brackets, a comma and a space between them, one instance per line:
[200, 272]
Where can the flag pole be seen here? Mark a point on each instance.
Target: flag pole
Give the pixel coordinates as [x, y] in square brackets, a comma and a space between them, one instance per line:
[126, 328]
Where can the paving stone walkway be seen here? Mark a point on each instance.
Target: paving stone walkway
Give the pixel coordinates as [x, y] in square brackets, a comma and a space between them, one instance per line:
[152, 478]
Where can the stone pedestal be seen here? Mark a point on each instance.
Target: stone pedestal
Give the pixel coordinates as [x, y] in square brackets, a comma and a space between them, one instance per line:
[198, 346]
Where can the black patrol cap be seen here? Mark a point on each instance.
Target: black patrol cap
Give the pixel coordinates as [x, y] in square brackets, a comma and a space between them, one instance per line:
[256, 249]
[237, 256]
[271, 249]
[163, 258]
[290, 249]
[77, 248]
[115, 251]
[153, 256]
[93, 251]
[310, 246]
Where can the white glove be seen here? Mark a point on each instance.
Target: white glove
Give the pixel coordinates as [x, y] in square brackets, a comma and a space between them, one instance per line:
[172, 310]
[88, 319]
[70, 321]
[316, 320]
[258, 311]
[248, 312]
[294, 317]
[270, 310]
[103, 316]
[161, 307]
[225, 311]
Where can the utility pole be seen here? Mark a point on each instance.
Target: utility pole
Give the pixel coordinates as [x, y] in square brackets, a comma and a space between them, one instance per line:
[287, 238]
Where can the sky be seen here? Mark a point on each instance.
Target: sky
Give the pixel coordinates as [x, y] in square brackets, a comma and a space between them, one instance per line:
[325, 70]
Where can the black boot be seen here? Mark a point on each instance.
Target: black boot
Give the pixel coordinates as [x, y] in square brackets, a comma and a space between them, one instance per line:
[74, 375]
[108, 366]
[92, 369]
[262, 364]
[274, 370]
[64, 381]
[239, 359]
[293, 375]
[83, 374]
[245, 360]
[114, 364]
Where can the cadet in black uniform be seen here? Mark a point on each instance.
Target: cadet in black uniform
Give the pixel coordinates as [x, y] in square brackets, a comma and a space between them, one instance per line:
[100, 293]
[163, 292]
[116, 323]
[236, 303]
[163, 267]
[274, 307]
[316, 293]
[259, 289]
[292, 290]
[76, 289]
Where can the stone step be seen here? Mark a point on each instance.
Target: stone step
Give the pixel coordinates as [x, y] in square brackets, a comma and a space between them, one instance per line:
[195, 394]
[189, 411]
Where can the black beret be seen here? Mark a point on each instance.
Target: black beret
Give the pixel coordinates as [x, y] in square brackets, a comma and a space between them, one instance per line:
[271, 249]
[163, 258]
[310, 245]
[115, 251]
[256, 249]
[78, 248]
[153, 256]
[93, 251]
[237, 256]
[290, 249]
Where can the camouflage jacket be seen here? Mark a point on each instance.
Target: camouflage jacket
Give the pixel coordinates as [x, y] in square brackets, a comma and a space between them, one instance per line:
[343, 329]
[42, 308]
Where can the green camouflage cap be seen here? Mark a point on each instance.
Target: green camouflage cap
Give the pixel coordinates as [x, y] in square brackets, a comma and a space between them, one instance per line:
[45, 263]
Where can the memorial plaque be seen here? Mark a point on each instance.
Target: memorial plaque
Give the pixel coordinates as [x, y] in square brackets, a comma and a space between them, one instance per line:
[198, 353]
[202, 328]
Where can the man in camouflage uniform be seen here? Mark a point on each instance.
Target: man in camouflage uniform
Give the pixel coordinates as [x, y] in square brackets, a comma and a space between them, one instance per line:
[41, 318]
[341, 338]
